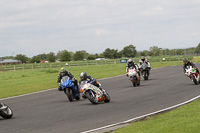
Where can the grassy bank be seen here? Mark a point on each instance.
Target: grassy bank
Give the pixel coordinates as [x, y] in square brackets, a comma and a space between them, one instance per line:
[184, 119]
[14, 83]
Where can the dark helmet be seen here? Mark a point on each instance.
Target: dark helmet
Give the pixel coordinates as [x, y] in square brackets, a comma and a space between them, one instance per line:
[130, 61]
[83, 76]
[62, 71]
[142, 58]
[185, 60]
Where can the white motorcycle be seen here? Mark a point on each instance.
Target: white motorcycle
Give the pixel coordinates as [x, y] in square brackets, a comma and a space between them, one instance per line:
[192, 74]
[144, 67]
[94, 93]
[5, 111]
[134, 76]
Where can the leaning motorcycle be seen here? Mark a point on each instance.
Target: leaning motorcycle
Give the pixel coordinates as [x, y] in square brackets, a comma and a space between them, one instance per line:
[144, 70]
[134, 76]
[94, 93]
[192, 74]
[70, 89]
[5, 111]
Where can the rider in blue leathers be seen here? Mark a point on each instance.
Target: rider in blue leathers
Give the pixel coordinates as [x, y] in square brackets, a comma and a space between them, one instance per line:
[63, 73]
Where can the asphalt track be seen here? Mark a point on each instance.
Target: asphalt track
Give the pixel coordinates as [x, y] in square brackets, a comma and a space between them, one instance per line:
[51, 112]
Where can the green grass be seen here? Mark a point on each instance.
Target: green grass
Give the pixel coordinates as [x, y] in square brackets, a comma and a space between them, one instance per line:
[13, 83]
[184, 119]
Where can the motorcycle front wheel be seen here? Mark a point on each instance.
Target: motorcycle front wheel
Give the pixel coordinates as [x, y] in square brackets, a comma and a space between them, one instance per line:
[92, 97]
[194, 80]
[107, 97]
[6, 113]
[134, 81]
[69, 94]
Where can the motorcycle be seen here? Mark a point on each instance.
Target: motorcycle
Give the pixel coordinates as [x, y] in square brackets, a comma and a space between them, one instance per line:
[5, 111]
[94, 93]
[70, 89]
[192, 74]
[144, 67]
[134, 76]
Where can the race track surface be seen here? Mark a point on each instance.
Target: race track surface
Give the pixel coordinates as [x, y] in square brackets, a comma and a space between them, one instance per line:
[51, 111]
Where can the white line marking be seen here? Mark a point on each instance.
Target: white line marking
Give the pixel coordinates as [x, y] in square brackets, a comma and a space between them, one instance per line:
[143, 116]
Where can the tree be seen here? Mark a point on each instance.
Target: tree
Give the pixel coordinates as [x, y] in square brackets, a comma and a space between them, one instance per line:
[154, 51]
[92, 57]
[42, 56]
[35, 59]
[129, 51]
[79, 55]
[22, 58]
[64, 55]
[144, 53]
[197, 50]
[51, 57]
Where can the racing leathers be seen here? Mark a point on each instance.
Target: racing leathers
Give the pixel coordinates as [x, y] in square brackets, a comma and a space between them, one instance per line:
[134, 65]
[144, 61]
[189, 64]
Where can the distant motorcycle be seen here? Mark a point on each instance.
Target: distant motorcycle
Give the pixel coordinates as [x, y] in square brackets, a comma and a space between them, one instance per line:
[134, 76]
[70, 89]
[144, 71]
[94, 93]
[5, 111]
[192, 74]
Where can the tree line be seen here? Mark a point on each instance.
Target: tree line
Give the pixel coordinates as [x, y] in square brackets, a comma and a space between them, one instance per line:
[128, 51]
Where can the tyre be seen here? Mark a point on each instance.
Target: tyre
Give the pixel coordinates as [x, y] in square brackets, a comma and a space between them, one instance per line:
[134, 81]
[6, 113]
[92, 98]
[145, 76]
[78, 96]
[107, 97]
[194, 80]
[69, 94]
[138, 84]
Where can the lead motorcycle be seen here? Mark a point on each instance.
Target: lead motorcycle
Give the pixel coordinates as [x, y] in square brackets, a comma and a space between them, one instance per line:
[94, 93]
[70, 89]
[5, 111]
[192, 74]
[144, 68]
[134, 76]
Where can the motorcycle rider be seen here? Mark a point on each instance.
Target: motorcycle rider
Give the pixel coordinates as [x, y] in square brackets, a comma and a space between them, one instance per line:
[89, 79]
[63, 73]
[186, 63]
[144, 60]
[132, 64]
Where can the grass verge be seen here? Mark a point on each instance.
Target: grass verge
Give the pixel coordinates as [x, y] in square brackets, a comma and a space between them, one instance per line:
[184, 119]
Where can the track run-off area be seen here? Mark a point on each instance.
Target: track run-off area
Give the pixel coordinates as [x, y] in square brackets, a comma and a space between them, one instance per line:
[51, 112]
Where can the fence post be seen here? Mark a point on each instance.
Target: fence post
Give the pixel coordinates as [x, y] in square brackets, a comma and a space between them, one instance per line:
[14, 67]
[32, 66]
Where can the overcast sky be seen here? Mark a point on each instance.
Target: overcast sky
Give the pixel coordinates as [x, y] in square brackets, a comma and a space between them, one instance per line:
[33, 27]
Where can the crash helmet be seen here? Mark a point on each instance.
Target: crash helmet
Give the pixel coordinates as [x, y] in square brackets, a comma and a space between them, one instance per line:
[83, 76]
[62, 71]
[143, 58]
[130, 61]
[185, 60]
